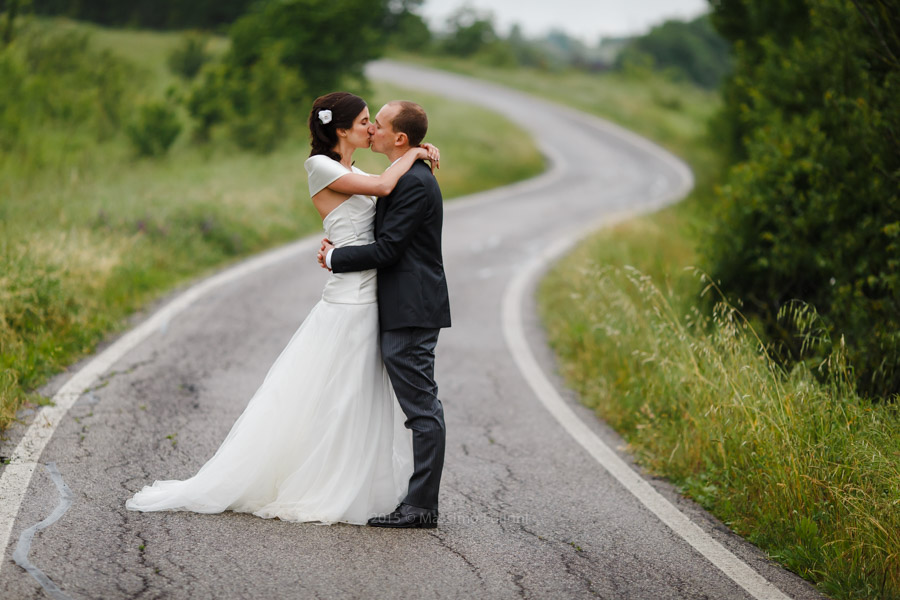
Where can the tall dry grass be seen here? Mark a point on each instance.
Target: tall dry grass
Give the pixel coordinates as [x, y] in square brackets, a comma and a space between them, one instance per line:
[800, 466]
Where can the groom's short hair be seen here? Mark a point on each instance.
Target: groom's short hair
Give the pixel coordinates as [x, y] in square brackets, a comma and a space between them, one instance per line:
[411, 120]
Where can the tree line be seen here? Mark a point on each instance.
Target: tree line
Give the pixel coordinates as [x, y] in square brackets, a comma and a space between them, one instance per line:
[153, 14]
[809, 210]
[281, 56]
[693, 51]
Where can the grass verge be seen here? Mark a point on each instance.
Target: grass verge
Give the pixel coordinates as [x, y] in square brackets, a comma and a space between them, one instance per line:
[92, 235]
[804, 469]
[807, 471]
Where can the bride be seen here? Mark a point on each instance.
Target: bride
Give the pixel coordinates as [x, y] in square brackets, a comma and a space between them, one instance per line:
[323, 438]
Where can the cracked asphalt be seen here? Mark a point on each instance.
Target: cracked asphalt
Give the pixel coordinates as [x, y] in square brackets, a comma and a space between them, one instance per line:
[526, 512]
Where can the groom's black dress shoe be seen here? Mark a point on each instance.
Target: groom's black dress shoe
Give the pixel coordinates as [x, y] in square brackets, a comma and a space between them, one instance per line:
[407, 517]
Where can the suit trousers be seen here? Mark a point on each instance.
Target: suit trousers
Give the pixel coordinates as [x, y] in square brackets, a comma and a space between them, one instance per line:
[408, 355]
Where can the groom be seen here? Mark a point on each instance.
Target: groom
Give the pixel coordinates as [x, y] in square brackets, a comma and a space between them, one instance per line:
[412, 302]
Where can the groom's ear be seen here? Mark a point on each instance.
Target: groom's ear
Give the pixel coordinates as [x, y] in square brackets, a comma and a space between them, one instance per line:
[401, 139]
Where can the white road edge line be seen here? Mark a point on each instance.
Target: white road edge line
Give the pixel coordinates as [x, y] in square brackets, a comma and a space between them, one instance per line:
[24, 460]
[514, 332]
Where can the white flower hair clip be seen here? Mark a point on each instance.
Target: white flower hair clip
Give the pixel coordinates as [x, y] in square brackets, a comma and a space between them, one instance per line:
[325, 116]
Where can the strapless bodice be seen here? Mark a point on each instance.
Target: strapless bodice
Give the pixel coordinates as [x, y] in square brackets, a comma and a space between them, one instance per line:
[352, 223]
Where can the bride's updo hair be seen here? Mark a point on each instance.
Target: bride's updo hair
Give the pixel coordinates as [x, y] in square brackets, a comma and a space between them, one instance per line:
[344, 107]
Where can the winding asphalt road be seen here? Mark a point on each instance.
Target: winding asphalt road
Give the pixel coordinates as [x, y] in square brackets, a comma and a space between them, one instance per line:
[530, 507]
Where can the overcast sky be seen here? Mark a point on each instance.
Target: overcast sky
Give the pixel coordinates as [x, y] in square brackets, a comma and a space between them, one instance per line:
[584, 19]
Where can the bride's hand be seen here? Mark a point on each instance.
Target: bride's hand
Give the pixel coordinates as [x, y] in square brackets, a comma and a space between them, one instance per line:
[433, 154]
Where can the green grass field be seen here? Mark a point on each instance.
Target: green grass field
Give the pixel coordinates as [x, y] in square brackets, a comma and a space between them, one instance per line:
[805, 469]
[89, 234]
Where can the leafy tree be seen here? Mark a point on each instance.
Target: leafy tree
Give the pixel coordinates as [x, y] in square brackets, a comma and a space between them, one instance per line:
[284, 54]
[693, 50]
[526, 53]
[10, 9]
[750, 26]
[263, 102]
[208, 102]
[56, 78]
[747, 22]
[323, 41]
[470, 31]
[407, 29]
[812, 210]
[189, 56]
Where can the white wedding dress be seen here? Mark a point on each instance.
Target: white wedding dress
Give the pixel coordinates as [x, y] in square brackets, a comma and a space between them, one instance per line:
[323, 438]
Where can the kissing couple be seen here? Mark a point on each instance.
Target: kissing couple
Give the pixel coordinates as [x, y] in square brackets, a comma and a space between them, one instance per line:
[347, 426]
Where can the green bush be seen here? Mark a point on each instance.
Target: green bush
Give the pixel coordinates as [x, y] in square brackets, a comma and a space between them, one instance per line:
[312, 38]
[207, 102]
[155, 129]
[471, 31]
[282, 55]
[692, 51]
[408, 31]
[254, 103]
[497, 54]
[813, 212]
[59, 95]
[262, 105]
[71, 82]
[189, 56]
[12, 101]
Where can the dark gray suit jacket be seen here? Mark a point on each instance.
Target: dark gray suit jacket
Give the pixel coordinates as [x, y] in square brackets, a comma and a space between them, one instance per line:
[412, 288]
